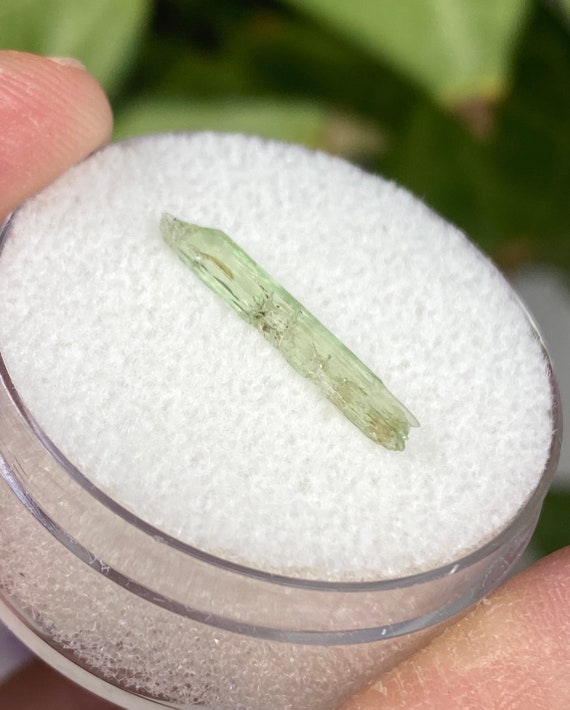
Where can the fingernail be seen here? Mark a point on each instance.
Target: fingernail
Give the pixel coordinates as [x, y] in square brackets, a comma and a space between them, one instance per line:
[67, 62]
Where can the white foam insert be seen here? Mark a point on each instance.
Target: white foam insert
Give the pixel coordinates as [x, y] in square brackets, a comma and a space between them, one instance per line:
[164, 398]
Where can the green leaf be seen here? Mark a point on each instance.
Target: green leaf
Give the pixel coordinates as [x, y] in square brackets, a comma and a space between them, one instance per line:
[294, 122]
[170, 68]
[456, 50]
[296, 57]
[102, 34]
[510, 193]
[303, 122]
[553, 530]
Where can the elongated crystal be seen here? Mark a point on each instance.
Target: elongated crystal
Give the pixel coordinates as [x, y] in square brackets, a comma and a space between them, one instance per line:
[304, 342]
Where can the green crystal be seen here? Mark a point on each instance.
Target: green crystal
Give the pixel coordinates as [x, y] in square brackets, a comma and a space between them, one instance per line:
[302, 340]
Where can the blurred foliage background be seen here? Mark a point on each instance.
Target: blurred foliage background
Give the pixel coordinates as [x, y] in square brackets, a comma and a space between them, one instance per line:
[465, 102]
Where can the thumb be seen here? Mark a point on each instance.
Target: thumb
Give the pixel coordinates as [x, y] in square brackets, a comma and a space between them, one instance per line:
[512, 651]
[52, 114]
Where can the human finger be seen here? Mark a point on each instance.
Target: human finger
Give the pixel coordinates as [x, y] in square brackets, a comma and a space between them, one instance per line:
[512, 651]
[52, 114]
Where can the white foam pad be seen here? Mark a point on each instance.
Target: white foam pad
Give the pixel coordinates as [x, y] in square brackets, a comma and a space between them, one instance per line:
[164, 398]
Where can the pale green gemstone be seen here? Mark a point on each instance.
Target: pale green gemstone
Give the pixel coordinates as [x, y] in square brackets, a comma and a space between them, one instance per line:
[304, 342]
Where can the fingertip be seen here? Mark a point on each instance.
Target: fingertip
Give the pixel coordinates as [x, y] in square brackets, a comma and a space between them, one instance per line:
[68, 62]
[53, 113]
[512, 650]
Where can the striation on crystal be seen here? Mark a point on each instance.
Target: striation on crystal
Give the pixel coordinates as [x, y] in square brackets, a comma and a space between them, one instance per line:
[303, 341]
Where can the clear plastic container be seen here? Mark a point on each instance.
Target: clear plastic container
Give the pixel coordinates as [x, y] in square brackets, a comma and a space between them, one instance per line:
[145, 620]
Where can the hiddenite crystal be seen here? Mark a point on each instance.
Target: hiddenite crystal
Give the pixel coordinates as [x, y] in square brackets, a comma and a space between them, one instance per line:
[304, 342]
